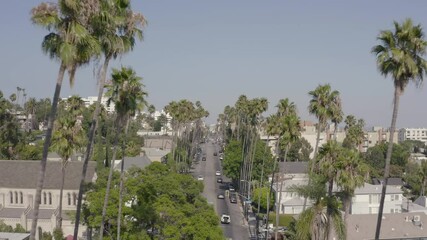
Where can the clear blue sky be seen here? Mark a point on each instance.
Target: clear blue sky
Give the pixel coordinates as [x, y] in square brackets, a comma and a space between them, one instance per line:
[214, 51]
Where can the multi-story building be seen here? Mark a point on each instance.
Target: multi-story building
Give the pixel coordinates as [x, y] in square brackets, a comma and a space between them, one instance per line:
[419, 134]
[93, 99]
[18, 189]
[366, 199]
[376, 136]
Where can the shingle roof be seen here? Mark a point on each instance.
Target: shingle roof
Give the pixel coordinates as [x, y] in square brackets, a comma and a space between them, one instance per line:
[394, 226]
[14, 236]
[24, 174]
[11, 212]
[140, 162]
[43, 213]
[391, 181]
[293, 167]
[369, 188]
[422, 201]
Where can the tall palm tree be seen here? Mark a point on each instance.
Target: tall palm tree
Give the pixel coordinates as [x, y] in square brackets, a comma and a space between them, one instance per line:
[400, 55]
[335, 111]
[352, 172]
[126, 91]
[326, 165]
[116, 27]
[66, 42]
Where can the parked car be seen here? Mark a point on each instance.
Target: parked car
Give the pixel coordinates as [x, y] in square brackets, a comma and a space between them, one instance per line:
[225, 219]
[218, 173]
[200, 178]
[233, 199]
[203, 158]
[215, 154]
[219, 180]
[220, 196]
[231, 188]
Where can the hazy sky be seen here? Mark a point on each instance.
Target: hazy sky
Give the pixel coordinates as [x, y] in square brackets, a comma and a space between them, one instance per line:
[214, 51]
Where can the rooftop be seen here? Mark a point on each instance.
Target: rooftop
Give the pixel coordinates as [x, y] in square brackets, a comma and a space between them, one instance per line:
[24, 174]
[293, 167]
[369, 188]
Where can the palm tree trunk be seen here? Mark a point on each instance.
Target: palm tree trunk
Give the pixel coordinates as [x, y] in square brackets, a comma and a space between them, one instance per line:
[272, 180]
[46, 145]
[122, 176]
[335, 131]
[347, 206]
[262, 176]
[88, 153]
[61, 194]
[329, 210]
[110, 177]
[397, 93]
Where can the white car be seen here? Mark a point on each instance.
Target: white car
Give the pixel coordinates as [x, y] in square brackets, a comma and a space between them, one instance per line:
[200, 178]
[218, 173]
[225, 219]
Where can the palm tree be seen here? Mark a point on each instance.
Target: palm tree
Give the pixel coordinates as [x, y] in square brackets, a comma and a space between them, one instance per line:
[313, 222]
[116, 27]
[399, 54]
[335, 111]
[67, 138]
[326, 165]
[126, 91]
[351, 175]
[66, 41]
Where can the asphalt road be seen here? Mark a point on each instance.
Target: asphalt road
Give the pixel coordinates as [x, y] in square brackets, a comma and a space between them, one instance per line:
[236, 230]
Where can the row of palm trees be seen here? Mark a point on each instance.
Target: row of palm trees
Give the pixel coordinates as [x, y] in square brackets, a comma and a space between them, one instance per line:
[399, 55]
[79, 32]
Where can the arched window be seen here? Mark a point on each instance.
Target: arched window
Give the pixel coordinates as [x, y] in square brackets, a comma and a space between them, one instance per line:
[16, 197]
[11, 196]
[21, 197]
[44, 198]
[74, 199]
[50, 198]
[69, 199]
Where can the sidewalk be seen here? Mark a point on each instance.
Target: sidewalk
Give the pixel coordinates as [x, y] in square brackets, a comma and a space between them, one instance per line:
[252, 224]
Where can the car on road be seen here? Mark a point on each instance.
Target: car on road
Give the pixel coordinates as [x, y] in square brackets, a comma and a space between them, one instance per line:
[203, 158]
[220, 196]
[233, 198]
[200, 178]
[215, 154]
[225, 219]
[218, 173]
[231, 188]
[221, 157]
[219, 180]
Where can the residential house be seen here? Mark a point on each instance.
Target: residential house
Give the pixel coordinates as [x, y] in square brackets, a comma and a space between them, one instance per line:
[155, 154]
[366, 199]
[18, 189]
[293, 174]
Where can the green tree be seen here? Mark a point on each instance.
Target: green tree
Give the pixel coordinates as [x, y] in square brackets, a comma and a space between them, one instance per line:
[399, 54]
[300, 151]
[354, 132]
[126, 91]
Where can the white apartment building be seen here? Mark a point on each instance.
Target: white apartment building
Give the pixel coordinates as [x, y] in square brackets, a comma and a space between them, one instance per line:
[18, 189]
[93, 99]
[366, 199]
[419, 134]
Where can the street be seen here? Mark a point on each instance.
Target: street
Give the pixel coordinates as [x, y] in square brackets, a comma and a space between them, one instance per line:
[237, 229]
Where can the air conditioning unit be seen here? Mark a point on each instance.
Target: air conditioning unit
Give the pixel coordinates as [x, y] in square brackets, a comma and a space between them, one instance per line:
[416, 218]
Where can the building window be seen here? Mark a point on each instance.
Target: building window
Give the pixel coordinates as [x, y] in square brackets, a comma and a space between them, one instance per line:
[50, 198]
[11, 197]
[69, 199]
[374, 198]
[21, 196]
[44, 198]
[74, 199]
[16, 198]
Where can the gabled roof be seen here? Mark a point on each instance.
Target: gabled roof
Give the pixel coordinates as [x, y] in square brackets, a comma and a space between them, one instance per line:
[294, 167]
[11, 212]
[422, 201]
[139, 161]
[24, 174]
[14, 236]
[369, 188]
[391, 181]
